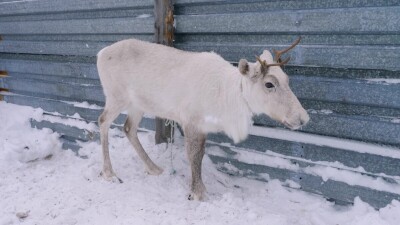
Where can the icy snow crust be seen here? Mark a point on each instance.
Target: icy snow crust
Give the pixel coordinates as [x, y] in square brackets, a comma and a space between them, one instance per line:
[52, 186]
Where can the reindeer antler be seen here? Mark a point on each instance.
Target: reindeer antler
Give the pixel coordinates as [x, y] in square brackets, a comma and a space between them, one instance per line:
[265, 65]
[278, 54]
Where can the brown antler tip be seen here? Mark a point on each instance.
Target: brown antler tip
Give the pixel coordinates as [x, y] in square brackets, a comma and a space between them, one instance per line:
[278, 54]
[297, 40]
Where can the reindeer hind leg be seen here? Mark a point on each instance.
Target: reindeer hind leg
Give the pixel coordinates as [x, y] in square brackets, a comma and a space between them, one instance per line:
[105, 120]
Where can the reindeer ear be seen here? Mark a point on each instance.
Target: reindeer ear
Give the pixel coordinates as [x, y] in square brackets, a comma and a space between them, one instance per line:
[244, 67]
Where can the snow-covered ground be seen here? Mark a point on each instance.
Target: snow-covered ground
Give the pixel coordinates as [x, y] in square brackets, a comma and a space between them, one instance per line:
[53, 186]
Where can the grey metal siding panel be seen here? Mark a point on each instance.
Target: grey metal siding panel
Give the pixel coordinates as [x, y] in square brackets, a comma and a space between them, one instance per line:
[352, 21]
[312, 55]
[367, 129]
[53, 68]
[237, 6]
[57, 90]
[265, 39]
[53, 47]
[59, 6]
[351, 91]
[118, 13]
[80, 26]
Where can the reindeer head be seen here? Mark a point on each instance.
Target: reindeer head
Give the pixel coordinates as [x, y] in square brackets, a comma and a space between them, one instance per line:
[266, 89]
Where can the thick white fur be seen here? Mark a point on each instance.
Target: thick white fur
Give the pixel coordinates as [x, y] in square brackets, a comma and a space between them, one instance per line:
[200, 91]
[191, 88]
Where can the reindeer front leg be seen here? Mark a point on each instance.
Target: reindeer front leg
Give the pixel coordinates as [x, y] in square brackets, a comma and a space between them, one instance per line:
[194, 143]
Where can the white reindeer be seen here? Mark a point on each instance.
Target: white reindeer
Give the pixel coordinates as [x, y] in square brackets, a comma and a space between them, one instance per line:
[201, 91]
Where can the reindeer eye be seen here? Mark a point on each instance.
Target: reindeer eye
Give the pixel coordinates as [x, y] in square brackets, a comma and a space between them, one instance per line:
[269, 85]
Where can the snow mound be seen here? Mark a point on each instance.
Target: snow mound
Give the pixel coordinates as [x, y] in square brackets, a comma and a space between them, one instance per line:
[19, 142]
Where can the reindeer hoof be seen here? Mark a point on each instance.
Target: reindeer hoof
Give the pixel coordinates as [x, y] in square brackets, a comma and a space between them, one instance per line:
[110, 176]
[195, 197]
[154, 170]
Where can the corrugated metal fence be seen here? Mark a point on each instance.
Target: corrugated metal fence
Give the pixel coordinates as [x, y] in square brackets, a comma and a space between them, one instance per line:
[48, 54]
[345, 72]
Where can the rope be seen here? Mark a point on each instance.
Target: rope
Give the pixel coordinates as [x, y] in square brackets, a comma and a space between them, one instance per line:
[170, 141]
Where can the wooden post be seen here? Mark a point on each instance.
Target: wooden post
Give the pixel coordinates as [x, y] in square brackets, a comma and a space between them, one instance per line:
[164, 22]
[3, 74]
[163, 34]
